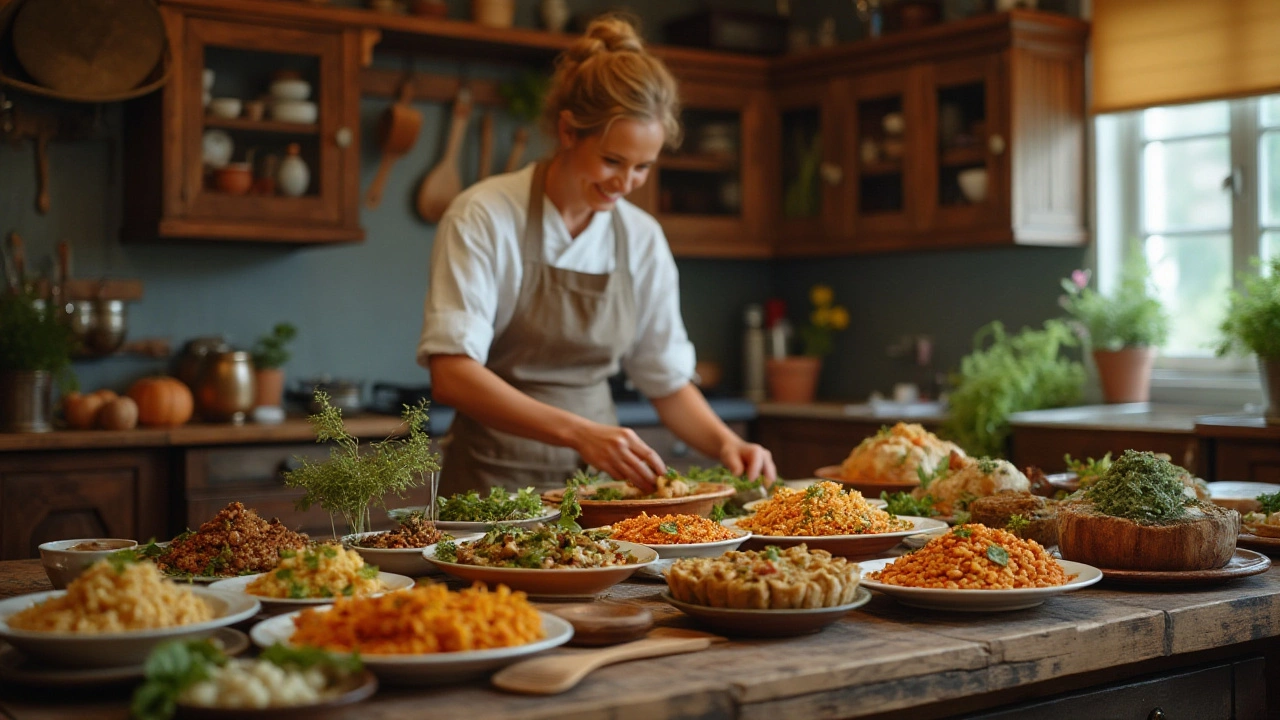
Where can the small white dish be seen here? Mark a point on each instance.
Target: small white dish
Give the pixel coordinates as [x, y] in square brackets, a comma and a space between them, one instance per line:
[225, 107]
[240, 585]
[405, 561]
[290, 89]
[978, 600]
[131, 647]
[303, 112]
[217, 147]
[433, 668]
[64, 560]
[973, 184]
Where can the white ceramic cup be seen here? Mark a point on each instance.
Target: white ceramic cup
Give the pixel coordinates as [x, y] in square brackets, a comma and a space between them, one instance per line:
[225, 107]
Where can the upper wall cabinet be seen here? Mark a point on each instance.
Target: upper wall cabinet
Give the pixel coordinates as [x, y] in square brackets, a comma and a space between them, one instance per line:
[255, 138]
[964, 134]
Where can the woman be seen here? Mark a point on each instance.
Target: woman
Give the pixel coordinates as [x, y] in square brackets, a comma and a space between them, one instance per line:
[545, 281]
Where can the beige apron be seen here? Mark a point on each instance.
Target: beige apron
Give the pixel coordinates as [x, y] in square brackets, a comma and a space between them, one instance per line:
[567, 333]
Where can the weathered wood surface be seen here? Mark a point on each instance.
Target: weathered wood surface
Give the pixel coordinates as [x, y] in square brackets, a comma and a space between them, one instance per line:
[883, 657]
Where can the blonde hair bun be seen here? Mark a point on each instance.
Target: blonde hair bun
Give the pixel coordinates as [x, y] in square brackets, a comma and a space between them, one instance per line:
[607, 74]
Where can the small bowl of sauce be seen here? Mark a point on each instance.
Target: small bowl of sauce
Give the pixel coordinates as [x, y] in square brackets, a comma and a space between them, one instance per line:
[64, 560]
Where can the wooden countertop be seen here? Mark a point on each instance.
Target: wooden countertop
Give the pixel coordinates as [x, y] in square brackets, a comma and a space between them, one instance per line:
[1140, 417]
[293, 429]
[884, 413]
[884, 657]
[1238, 426]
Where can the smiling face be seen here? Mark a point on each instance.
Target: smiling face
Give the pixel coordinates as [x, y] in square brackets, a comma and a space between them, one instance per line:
[608, 165]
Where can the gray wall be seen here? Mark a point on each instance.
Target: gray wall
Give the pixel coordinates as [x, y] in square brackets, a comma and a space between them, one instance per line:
[359, 307]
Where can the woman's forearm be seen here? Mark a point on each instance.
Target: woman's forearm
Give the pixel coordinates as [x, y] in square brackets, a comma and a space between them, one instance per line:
[476, 391]
[688, 415]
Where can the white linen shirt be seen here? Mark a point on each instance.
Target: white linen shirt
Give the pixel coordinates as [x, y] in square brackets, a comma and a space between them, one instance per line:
[476, 271]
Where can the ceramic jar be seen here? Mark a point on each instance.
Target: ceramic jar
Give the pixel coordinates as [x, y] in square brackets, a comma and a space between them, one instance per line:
[555, 14]
[294, 177]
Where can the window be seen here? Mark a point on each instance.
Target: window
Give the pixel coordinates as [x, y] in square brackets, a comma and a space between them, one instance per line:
[1198, 188]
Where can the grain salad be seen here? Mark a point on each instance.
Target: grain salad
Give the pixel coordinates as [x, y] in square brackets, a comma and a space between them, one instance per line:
[649, 529]
[322, 571]
[975, 557]
[822, 509]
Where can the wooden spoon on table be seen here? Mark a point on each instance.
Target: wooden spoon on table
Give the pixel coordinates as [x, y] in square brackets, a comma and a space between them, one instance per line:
[444, 182]
[551, 674]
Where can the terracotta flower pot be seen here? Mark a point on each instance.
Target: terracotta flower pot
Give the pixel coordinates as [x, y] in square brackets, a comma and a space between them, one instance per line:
[270, 387]
[1125, 374]
[793, 379]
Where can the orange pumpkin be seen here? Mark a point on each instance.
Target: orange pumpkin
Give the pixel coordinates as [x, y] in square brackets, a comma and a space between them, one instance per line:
[162, 401]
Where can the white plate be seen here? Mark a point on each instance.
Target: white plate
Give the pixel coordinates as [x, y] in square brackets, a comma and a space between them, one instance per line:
[1238, 495]
[240, 585]
[978, 600]
[707, 549]
[131, 647]
[404, 561]
[553, 582]
[848, 546]
[433, 668]
[459, 526]
[919, 540]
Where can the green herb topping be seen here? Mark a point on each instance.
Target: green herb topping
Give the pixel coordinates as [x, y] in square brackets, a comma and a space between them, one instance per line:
[902, 503]
[998, 555]
[1268, 504]
[962, 531]
[1016, 524]
[670, 528]
[1140, 486]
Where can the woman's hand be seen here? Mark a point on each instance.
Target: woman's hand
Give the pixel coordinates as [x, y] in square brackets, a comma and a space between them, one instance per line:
[742, 457]
[621, 454]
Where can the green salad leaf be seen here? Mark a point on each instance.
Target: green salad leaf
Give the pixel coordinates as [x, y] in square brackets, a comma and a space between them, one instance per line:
[499, 506]
[171, 668]
[902, 503]
[1269, 503]
[570, 511]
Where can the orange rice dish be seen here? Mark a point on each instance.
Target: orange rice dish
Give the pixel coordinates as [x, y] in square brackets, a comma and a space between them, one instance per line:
[649, 529]
[820, 510]
[427, 619]
[975, 557]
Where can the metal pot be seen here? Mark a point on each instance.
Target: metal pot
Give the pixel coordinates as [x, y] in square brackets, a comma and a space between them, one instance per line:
[26, 402]
[226, 389]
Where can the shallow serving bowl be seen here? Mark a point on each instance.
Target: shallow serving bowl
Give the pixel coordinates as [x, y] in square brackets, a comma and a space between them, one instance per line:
[430, 668]
[403, 561]
[240, 585]
[62, 564]
[549, 515]
[766, 623]
[130, 647]
[1081, 575]
[848, 546]
[555, 582]
[607, 512]
[707, 549]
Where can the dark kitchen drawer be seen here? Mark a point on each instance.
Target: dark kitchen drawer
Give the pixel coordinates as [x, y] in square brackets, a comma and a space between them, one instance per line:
[675, 452]
[1228, 692]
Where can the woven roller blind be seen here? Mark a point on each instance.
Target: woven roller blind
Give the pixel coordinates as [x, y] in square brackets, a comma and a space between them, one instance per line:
[1163, 52]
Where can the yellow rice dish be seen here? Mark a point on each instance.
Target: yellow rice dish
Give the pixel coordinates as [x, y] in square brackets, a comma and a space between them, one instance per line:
[114, 596]
[320, 571]
[819, 510]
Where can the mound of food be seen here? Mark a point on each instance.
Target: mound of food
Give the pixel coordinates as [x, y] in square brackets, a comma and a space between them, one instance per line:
[414, 531]
[904, 453]
[649, 529]
[822, 509]
[1139, 516]
[1028, 516]
[236, 541]
[321, 571]
[540, 547]
[968, 479]
[975, 557]
[427, 619]
[498, 506]
[115, 595]
[769, 579]
[1265, 522]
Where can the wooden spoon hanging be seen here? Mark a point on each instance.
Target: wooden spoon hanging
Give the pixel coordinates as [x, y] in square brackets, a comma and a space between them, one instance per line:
[397, 132]
[517, 148]
[486, 145]
[444, 182]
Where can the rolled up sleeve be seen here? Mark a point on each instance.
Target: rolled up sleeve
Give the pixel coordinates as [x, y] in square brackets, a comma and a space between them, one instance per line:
[661, 359]
[462, 298]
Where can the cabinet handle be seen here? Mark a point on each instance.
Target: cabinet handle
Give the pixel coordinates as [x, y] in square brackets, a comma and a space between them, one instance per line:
[679, 448]
[342, 137]
[1157, 714]
[832, 173]
[995, 144]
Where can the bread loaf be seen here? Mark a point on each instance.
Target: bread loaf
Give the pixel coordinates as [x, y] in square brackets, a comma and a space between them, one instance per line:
[1203, 539]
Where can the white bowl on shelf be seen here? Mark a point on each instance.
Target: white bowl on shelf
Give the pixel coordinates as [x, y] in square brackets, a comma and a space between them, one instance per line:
[225, 107]
[294, 111]
[290, 89]
[973, 183]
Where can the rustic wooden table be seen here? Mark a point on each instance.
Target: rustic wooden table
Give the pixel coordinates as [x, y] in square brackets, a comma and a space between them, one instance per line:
[883, 659]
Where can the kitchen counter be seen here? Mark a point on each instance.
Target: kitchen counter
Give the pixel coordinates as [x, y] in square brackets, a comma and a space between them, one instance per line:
[1154, 417]
[925, 413]
[884, 660]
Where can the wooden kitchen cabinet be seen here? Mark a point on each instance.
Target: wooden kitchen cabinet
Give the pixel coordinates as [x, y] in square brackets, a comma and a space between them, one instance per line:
[46, 496]
[999, 96]
[1240, 447]
[172, 142]
[811, 179]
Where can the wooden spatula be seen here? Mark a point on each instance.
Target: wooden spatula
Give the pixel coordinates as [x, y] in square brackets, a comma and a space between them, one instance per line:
[486, 145]
[444, 182]
[553, 674]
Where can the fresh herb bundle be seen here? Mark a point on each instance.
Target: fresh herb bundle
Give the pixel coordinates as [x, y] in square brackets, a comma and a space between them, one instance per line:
[350, 480]
[498, 506]
[902, 503]
[1142, 487]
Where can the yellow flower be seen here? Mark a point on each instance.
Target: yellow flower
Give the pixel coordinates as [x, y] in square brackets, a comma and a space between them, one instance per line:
[839, 317]
[820, 317]
[821, 296]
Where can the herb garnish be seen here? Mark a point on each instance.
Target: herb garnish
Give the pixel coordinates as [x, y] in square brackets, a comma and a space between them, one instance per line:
[1140, 486]
[570, 511]
[498, 506]
[717, 513]
[1017, 523]
[670, 528]
[962, 531]
[773, 553]
[171, 668]
[1269, 503]
[998, 555]
[902, 503]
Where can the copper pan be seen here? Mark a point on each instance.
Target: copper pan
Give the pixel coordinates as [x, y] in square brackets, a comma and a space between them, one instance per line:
[397, 132]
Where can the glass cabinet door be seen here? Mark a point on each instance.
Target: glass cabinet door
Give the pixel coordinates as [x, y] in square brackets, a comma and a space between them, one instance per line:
[970, 143]
[813, 176]
[885, 123]
[263, 125]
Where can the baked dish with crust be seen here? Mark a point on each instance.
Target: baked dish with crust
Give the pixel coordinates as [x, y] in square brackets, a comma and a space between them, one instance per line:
[771, 579]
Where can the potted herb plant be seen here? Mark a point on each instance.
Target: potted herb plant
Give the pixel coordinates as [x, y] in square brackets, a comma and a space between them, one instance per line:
[1006, 374]
[1253, 324]
[270, 353]
[1123, 329]
[795, 378]
[35, 351]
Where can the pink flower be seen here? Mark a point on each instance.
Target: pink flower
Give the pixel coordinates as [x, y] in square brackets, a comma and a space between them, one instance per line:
[1080, 278]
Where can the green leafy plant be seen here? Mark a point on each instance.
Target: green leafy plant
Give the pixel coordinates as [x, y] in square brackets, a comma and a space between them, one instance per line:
[523, 95]
[270, 351]
[1132, 316]
[350, 480]
[32, 339]
[1253, 316]
[1006, 374]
